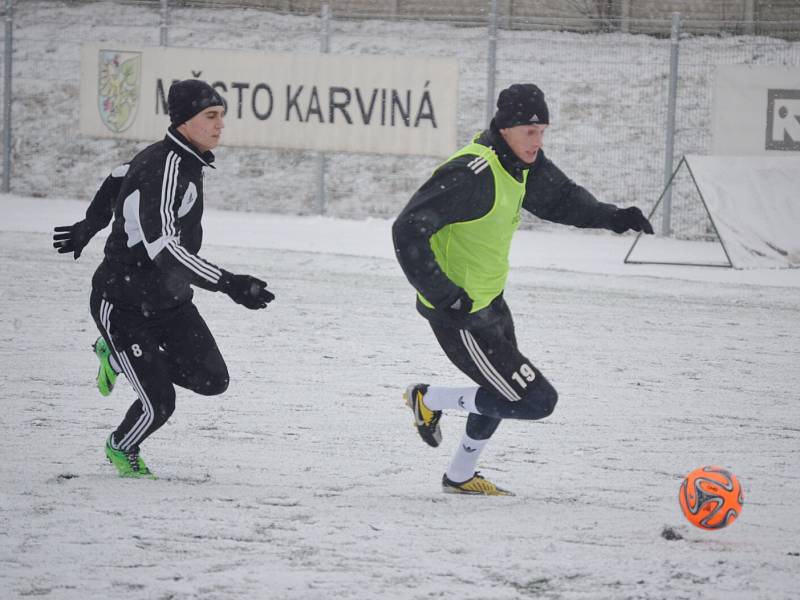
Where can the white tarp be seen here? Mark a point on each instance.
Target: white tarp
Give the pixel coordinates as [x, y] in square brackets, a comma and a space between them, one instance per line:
[383, 104]
[754, 203]
[756, 110]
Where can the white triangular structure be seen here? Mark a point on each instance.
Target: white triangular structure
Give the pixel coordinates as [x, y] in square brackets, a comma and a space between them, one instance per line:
[753, 204]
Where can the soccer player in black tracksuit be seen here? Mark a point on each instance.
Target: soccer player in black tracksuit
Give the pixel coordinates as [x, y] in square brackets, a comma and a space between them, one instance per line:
[142, 292]
[452, 241]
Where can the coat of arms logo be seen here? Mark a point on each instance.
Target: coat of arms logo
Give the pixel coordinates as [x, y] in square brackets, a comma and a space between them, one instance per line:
[118, 85]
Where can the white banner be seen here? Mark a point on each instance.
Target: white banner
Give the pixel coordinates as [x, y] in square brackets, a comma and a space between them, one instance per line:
[363, 103]
[756, 110]
[755, 205]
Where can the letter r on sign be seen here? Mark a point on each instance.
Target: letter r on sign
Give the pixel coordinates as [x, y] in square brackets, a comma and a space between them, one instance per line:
[783, 120]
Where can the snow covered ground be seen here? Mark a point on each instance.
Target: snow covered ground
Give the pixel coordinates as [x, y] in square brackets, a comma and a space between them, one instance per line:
[306, 479]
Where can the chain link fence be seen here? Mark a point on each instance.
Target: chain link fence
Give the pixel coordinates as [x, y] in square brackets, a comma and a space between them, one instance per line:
[608, 93]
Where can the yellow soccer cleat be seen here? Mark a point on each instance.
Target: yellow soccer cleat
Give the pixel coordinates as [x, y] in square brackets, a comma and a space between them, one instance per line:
[426, 420]
[477, 485]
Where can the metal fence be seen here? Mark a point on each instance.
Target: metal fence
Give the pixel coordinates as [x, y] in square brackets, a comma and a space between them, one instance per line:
[608, 91]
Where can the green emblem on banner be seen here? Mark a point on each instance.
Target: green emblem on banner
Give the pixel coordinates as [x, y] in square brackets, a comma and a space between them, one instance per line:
[118, 87]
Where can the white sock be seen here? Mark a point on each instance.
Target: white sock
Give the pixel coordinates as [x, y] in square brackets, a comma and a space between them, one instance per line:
[441, 398]
[465, 460]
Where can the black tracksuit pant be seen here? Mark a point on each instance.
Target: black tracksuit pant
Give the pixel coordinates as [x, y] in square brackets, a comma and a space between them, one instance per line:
[156, 351]
[510, 386]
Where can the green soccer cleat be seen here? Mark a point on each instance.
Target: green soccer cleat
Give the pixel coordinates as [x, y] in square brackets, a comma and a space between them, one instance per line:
[127, 462]
[426, 420]
[106, 375]
[477, 485]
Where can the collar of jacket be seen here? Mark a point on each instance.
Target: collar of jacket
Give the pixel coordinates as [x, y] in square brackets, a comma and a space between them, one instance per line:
[175, 138]
[512, 164]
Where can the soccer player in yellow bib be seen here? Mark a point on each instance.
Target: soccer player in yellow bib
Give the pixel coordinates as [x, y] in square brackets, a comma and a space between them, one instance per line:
[452, 241]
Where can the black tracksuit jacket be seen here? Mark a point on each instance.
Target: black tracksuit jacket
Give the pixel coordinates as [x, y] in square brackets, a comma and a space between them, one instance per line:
[151, 257]
[455, 193]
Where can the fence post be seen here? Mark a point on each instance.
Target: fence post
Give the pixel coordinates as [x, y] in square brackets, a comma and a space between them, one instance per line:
[625, 16]
[164, 21]
[749, 16]
[324, 48]
[666, 219]
[491, 66]
[8, 52]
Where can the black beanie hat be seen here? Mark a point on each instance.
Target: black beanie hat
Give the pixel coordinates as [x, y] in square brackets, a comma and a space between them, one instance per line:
[521, 104]
[188, 97]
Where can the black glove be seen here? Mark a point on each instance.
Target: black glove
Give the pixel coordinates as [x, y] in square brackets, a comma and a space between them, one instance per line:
[461, 307]
[630, 218]
[246, 290]
[72, 238]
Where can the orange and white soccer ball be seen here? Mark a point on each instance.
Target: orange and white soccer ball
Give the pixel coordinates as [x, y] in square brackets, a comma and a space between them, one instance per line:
[711, 497]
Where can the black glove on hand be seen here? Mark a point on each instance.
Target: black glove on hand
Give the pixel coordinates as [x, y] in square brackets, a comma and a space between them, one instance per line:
[246, 290]
[630, 218]
[461, 307]
[72, 238]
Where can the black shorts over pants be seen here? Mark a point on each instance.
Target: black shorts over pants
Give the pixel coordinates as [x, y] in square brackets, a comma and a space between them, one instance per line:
[156, 351]
[511, 387]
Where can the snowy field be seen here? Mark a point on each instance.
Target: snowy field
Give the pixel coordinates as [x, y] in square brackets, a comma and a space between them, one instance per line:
[306, 480]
